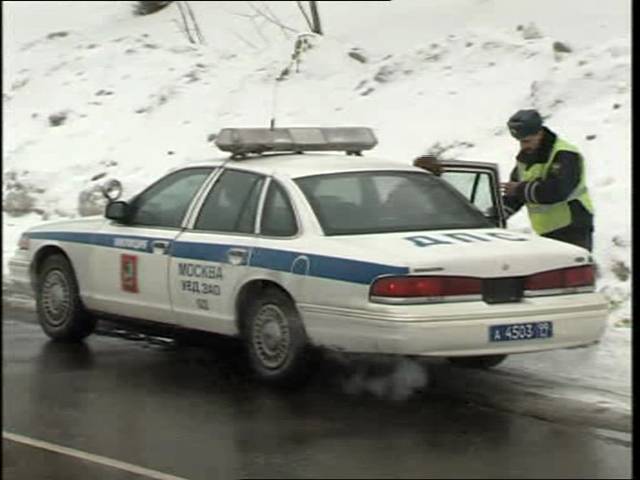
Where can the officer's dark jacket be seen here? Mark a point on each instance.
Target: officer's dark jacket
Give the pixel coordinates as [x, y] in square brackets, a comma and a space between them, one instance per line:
[562, 179]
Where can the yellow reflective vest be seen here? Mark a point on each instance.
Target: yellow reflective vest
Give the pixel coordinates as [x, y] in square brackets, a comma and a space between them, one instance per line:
[548, 217]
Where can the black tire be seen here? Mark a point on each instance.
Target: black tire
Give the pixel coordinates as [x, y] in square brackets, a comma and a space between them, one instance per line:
[284, 361]
[60, 310]
[481, 361]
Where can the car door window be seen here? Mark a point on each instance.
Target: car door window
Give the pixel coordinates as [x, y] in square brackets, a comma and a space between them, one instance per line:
[475, 186]
[232, 203]
[278, 219]
[480, 187]
[165, 203]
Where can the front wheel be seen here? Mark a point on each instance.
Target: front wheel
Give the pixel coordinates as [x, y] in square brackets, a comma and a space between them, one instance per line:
[279, 351]
[481, 361]
[60, 311]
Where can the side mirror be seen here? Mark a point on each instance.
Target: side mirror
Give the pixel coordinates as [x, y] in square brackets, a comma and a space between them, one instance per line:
[118, 211]
[111, 189]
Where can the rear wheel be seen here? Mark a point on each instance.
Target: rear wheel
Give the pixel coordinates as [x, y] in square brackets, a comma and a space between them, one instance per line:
[480, 361]
[279, 351]
[60, 311]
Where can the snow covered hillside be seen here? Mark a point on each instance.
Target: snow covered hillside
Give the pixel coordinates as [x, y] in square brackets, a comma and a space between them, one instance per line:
[91, 91]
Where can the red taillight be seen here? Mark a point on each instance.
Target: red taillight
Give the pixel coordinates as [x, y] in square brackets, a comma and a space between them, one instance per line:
[580, 276]
[563, 278]
[425, 286]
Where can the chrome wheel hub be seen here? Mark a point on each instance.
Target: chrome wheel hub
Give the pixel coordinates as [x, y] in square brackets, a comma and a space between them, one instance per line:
[56, 298]
[271, 337]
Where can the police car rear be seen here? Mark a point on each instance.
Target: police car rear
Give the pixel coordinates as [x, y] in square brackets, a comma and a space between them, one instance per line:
[455, 286]
[405, 264]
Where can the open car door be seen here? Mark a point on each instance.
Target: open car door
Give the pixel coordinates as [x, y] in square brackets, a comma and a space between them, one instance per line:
[480, 183]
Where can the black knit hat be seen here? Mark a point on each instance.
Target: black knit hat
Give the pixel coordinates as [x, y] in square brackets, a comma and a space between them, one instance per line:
[524, 123]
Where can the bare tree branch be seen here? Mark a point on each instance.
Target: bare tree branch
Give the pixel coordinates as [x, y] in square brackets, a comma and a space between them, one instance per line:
[304, 14]
[181, 27]
[260, 32]
[260, 12]
[272, 19]
[195, 23]
[317, 28]
[185, 22]
[240, 37]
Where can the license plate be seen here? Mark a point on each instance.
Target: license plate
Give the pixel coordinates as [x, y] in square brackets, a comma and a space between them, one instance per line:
[520, 331]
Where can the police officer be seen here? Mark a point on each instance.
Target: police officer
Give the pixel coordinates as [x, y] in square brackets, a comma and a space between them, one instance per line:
[549, 178]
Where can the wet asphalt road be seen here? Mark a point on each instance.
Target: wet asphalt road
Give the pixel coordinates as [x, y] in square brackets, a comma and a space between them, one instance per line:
[194, 412]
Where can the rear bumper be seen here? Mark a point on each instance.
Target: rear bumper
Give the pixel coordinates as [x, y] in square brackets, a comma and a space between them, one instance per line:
[457, 329]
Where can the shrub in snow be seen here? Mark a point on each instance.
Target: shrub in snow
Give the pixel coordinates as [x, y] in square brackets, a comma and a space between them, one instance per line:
[18, 202]
[191, 76]
[357, 54]
[439, 150]
[53, 35]
[621, 270]
[148, 7]
[385, 74]
[19, 195]
[436, 149]
[561, 47]
[302, 44]
[616, 295]
[18, 84]
[531, 32]
[619, 241]
[56, 119]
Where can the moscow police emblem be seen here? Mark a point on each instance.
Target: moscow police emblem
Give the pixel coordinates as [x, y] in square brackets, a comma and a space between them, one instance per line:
[129, 273]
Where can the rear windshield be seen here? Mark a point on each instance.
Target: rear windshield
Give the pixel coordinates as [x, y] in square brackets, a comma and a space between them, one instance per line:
[376, 202]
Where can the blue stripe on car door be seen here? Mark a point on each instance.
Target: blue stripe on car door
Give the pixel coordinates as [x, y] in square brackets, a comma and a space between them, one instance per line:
[343, 269]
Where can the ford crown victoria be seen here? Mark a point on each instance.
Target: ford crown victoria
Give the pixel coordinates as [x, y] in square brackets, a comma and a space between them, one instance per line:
[293, 250]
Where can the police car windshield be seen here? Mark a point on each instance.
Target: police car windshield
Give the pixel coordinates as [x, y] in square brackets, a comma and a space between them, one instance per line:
[387, 201]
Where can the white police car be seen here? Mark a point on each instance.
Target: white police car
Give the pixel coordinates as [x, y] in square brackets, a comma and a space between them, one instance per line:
[293, 250]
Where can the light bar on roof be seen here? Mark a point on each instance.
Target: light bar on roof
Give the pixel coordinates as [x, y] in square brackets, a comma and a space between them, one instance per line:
[240, 141]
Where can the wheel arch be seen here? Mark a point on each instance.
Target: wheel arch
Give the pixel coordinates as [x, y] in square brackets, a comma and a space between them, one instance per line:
[40, 256]
[252, 289]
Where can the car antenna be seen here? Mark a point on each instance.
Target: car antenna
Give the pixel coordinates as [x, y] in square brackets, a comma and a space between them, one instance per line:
[274, 97]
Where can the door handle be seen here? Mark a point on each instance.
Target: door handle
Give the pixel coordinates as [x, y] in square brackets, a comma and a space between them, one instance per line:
[237, 256]
[160, 246]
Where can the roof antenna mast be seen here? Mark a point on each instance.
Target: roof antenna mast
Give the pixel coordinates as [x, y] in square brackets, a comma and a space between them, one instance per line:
[272, 123]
